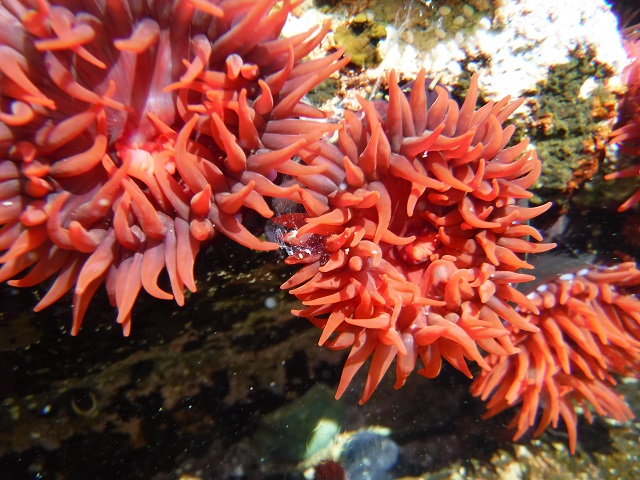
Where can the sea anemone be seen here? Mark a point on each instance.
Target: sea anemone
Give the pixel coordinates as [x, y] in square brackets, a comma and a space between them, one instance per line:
[589, 330]
[132, 131]
[627, 132]
[413, 235]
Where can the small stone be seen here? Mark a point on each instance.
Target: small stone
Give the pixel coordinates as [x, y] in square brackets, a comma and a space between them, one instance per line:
[484, 23]
[407, 36]
[467, 10]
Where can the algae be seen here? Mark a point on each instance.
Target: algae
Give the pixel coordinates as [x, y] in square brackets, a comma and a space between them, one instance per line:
[567, 128]
[360, 39]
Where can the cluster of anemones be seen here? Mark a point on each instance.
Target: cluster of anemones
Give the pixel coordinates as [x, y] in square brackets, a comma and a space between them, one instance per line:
[411, 241]
[627, 133]
[412, 236]
[589, 329]
[132, 131]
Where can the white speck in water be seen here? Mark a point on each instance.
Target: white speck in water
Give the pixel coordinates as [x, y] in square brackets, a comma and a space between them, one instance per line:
[270, 302]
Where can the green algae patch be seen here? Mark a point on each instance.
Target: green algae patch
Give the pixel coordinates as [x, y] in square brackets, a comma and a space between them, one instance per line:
[360, 39]
[286, 434]
[567, 128]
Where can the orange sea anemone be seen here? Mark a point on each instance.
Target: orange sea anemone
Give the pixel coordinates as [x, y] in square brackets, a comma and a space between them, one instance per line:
[413, 235]
[589, 329]
[627, 132]
[132, 131]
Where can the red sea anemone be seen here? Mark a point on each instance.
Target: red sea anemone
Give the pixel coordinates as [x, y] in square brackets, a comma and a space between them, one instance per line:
[132, 131]
[627, 133]
[413, 236]
[589, 329]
